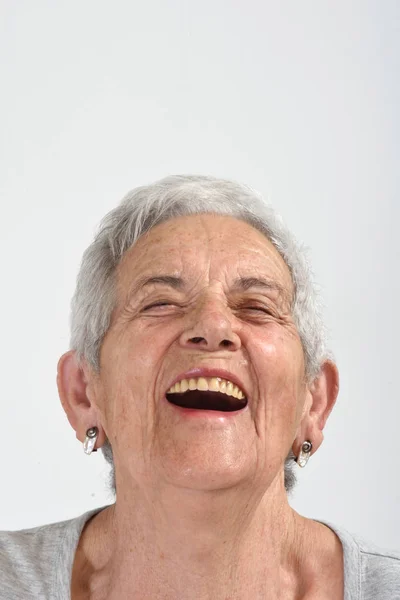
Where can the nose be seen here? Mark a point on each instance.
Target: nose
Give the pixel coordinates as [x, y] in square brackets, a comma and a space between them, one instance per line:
[210, 328]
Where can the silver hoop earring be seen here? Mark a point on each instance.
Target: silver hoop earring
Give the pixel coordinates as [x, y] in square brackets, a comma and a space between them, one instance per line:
[90, 440]
[305, 454]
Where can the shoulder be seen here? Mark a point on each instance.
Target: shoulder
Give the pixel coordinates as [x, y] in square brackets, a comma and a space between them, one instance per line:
[371, 572]
[37, 561]
[27, 559]
[380, 570]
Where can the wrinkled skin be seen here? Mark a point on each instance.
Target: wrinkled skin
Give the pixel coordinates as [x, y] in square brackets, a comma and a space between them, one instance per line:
[225, 473]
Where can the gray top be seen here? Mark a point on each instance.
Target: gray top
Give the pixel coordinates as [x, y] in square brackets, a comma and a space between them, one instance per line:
[37, 563]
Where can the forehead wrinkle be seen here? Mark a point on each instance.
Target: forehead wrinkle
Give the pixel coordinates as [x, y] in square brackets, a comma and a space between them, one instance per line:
[203, 261]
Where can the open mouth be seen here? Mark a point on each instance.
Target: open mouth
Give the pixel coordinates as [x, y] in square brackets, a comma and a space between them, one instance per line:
[206, 400]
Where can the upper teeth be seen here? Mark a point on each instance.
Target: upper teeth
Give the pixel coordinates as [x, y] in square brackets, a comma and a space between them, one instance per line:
[214, 384]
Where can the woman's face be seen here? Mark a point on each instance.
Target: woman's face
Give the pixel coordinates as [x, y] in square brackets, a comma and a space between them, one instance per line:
[147, 347]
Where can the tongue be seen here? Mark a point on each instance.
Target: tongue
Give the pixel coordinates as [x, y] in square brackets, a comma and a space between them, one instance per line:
[206, 400]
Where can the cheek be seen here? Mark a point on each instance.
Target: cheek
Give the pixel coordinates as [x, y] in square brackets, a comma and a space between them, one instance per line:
[280, 357]
[278, 361]
[133, 353]
[131, 363]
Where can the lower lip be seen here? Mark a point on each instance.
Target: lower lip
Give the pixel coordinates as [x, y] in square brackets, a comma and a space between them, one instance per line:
[200, 413]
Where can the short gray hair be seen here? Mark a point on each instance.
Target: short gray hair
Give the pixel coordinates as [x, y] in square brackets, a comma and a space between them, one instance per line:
[143, 208]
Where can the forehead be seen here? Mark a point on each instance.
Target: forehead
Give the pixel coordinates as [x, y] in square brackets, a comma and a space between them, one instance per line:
[222, 245]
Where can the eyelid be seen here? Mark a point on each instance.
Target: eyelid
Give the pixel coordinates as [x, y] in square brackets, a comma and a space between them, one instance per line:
[160, 303]
[262, 308]
[156, 304]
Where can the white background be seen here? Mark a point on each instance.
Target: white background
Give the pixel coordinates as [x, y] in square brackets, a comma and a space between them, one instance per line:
[297, 99]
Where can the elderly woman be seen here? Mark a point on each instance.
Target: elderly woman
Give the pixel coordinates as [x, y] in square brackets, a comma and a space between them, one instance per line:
[199, 365]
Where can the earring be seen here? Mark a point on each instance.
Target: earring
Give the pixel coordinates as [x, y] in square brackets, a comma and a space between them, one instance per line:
[90, 441]
[305, 454]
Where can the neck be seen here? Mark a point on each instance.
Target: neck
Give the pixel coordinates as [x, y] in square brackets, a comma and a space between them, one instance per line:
[181, 543]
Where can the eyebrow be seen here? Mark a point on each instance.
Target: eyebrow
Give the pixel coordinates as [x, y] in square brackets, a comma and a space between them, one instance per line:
[239, 284]
[174, 282]
[245, 283]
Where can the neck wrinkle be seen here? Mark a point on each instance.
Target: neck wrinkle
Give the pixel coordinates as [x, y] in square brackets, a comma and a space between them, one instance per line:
[171, 549]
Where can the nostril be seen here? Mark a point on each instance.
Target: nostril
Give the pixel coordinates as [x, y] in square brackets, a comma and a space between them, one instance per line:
[196, 340]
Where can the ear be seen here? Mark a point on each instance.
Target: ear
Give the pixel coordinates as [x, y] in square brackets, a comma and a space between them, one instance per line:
[77, 391]
[321, 398]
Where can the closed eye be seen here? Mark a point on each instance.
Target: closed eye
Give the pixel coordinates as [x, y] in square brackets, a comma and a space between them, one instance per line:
[259, 308]
[257, 311]
[157, 304]
[252, 308]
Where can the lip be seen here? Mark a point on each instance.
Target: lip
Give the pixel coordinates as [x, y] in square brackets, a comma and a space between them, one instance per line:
[210, 372]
